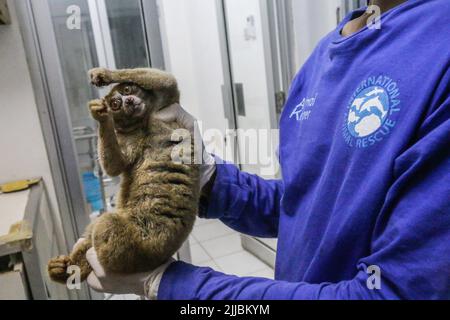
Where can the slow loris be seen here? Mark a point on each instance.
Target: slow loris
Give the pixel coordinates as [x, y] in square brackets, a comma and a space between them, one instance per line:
[158, 198]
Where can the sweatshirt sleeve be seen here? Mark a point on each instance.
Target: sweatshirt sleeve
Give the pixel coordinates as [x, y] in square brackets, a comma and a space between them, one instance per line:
[410, 246]
[244, 202]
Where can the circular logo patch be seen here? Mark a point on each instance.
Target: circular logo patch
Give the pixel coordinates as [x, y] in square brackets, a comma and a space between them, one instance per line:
[371, 112]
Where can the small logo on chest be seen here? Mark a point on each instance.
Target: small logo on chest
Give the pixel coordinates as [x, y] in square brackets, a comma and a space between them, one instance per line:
[302, 112]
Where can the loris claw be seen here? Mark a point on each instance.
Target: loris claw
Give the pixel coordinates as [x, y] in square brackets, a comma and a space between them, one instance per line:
[100, 77]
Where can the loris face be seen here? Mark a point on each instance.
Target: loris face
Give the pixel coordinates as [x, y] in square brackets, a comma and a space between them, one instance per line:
[129, 106]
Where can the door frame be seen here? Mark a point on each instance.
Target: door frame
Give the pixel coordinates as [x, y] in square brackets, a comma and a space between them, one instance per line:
[280, 17]
[152, 32]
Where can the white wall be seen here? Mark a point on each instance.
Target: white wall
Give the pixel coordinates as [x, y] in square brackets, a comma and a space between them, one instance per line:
[313, 19]
[249, 62]
[193, 55]
[249, 51]
[23, 154]
[178, 50]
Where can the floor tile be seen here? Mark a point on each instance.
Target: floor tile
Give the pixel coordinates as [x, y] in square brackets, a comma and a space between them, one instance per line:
[192, 240]
[240, 264]
[223, 246]
[198, 254]
[210, 231]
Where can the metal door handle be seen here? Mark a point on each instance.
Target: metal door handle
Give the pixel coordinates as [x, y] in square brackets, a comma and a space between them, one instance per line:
[227, 104]
[240, 99]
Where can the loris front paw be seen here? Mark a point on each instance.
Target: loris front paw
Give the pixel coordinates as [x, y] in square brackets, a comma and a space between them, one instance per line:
[100, 77]
[99, 110]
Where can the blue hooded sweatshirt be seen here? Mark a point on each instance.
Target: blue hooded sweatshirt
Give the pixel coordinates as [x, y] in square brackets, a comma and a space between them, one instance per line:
[365, 157]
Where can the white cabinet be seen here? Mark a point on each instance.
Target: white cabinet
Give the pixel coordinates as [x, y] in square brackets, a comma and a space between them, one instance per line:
[13, 284]
[27, 241]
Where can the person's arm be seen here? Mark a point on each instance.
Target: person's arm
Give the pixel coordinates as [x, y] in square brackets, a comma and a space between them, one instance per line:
[244, 202]
[411, 239]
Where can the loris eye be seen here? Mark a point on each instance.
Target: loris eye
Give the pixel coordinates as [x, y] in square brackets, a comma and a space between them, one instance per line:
[127, 90]
[116, 104]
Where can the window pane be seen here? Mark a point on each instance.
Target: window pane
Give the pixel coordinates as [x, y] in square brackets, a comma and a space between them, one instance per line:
[78, 54]
[127, 33]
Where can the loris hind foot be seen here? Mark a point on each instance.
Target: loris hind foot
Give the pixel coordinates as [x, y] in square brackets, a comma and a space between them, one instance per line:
[58, 267]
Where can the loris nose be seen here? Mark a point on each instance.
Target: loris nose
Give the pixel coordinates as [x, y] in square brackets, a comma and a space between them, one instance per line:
[129, 100]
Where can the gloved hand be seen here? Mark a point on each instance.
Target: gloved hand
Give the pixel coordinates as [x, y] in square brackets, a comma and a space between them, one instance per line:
[141, 284]
[175, 113]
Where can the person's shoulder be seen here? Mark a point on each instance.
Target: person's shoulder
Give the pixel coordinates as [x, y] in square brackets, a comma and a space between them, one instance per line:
[437, 11]
[435, 4]
[425, 22]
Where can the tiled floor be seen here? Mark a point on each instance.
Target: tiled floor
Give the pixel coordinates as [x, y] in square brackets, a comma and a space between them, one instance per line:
[216, 246]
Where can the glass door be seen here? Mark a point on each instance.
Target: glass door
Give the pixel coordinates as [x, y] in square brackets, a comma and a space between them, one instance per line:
[108, 34]
[252, 72]
[258, 94]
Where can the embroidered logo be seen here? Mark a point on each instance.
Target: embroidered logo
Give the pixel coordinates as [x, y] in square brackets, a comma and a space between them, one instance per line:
[371, 113]
[302, 111]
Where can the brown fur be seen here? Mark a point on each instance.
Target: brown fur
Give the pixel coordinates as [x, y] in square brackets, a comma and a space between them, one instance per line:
[158, 199]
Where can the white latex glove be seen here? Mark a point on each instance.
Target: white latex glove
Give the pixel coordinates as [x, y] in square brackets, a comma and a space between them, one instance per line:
[141, 284]
[176, 113]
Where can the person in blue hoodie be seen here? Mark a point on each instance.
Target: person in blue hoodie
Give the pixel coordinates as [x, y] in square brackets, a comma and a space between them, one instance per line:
[363, 207]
